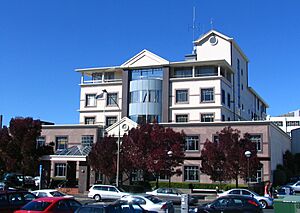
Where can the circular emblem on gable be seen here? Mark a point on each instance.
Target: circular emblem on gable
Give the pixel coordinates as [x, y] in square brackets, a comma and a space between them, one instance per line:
[213, 40]
[125, 127]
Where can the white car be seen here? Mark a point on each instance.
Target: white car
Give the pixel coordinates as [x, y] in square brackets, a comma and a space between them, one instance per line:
[50, 193]
[150, 203]
[265, 202]
[295, 186]
[100, 192]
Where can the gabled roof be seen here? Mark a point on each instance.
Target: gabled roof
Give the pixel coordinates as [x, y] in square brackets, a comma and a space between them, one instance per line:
[214, 32]
[125, 125]
[145, 58]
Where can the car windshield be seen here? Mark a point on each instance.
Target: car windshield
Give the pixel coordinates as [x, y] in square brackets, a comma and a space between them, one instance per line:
[255, 194]
[178, 191]
[36, 206]
[121, 190]
[154, 199]
[57, 194]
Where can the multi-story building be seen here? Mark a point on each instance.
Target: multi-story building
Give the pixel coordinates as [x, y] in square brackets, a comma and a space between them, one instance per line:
[287, 122]
[201, 95]
[209, 85]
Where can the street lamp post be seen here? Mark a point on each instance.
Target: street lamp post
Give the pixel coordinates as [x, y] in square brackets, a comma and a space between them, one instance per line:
[118, 143]
[248, 155]
[170, 154]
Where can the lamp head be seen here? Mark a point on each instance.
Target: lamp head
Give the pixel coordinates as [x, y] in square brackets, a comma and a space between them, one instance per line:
[248, 154]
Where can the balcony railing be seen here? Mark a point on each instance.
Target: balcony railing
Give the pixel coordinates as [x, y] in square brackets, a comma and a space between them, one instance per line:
[100, 81]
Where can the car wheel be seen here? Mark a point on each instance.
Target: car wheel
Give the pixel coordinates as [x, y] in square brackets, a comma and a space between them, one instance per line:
[263, 204]
[97, 198]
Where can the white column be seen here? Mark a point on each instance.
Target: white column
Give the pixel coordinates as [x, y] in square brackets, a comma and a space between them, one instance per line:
[82, 78]
[219, 71]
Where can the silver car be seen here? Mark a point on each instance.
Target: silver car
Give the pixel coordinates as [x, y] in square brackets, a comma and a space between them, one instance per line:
[150, 203]
[265, 202]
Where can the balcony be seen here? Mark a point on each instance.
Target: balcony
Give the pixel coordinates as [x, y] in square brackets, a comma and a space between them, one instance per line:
[102, 81]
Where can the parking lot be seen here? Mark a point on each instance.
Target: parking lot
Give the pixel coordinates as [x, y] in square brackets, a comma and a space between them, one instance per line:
[85, 199]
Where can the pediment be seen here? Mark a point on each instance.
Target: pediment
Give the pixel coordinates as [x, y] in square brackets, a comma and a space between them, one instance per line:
[212, 32]
[145, 58]
[125, 125]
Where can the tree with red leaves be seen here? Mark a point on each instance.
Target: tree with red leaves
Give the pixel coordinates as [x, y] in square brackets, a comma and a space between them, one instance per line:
[18, 147]
[146, 148]
[103, 158]
[226, 160]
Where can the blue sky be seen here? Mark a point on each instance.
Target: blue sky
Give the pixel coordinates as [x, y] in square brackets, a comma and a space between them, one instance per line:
[43, 42]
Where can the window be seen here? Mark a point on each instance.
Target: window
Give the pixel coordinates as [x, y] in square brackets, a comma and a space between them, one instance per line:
[191, 173]
[182, 72]
[146, 73]
[182, 96]
[97, 76]
[258, 178]
[112, 99]
[222, 117]
[61, 142]
[143, 96]
[235, 192]
[89, 120]
[60, 169]
[216, 138]
[257, 139]
[209, 117]
[228, 100]
[87, 140]
[90, 100]
[192, 143]
[182, 118]
[293, 123]
[206, 71]
[163, 176]
[40, 141]
[137, 175]
[207, 95]
[278, 123]
[111, 120]
[223, 96]
[109, 76]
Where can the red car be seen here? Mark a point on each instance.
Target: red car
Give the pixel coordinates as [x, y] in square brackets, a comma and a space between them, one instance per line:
[51, 204]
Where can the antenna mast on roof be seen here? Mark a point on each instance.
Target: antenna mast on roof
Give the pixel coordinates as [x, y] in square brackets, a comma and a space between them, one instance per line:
[211, 23]
[194, 19]
[194, 28]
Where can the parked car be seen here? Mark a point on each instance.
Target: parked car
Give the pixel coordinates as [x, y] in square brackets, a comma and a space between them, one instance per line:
[284, 190]
[295, 186]
[51, 204]
[265, 202]
[100, 192]
[18, 180]
[37, 180]
[50, 193]
[172, 194]
[11, 200]
[231, 204]
[150, 203]
[119, 206]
